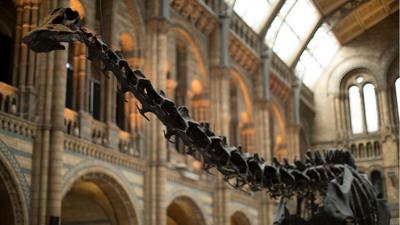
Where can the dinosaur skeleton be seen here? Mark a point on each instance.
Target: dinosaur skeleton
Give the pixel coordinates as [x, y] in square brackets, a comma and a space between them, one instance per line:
[328, 189]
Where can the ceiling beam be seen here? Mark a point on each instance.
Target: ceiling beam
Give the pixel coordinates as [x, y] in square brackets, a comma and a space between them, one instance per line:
[331, 19]
[304, 44]
[271, 18]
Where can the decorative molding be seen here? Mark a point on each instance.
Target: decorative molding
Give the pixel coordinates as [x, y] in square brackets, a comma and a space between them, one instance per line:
[242, 54]
[17, 125]
[244, 198]
[15, 182]
[104, 174]
[202, 185]
[196, 13]
[89, 149]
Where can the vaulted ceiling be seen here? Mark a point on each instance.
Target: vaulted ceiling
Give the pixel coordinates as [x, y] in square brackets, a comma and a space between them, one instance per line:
[351, 18]
[306, 34]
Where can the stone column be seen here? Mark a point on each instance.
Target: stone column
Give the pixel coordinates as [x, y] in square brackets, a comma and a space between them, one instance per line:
[57, 138]
[49, 143]
[219, 93]
[293, 137]
[57, 134]
[293, 142]
[262, 134]
[157, 26]
[265, 209]
[31, 79]
[24, 59]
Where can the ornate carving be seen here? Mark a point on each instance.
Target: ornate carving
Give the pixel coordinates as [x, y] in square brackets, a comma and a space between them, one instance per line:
[243, 55]
[197, 14]
[13, 182]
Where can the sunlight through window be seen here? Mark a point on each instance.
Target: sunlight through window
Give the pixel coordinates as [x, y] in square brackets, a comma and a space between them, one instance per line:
[318, 53]
[371, 111]
[355, 110]
[293, 24]
[255, 12]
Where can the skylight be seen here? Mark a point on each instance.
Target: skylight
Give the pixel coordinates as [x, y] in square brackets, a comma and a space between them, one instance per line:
[319, 52]
[254, 12]
[293, 24]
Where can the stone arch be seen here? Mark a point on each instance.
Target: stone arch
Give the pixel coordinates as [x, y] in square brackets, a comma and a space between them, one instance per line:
[356, 71]
[111, 189]
[134, 9]
[349, 83]
[348, 65]
[239, 218]
[182, 210]
[278, 135]
[244, 88]
[13, 189]
[187, 37]
[378, 181]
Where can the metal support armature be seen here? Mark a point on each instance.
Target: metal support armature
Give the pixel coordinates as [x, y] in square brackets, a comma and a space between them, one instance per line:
[329, 190]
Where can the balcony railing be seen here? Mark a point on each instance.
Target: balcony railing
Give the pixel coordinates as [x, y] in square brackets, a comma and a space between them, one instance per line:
[8, 98]
[130, 144]
[366, 150]
[71, 125]
[245, 33]
[97, 132]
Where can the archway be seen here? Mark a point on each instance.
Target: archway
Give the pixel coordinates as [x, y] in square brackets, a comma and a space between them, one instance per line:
[183, 211]
[377, 182]
[97, 198]
[14, 190]
[239, 218]
[12, 203]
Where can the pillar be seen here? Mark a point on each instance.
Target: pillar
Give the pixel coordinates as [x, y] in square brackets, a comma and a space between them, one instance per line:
[262, 128]
[49, 143]
[157, 26]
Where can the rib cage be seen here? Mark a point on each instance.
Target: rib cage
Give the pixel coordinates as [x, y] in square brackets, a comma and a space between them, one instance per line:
[333, 176]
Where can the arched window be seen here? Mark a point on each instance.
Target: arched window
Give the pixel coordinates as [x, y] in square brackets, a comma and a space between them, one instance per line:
[371, 110]
[377, 182]
[362, 104]
[355, 110]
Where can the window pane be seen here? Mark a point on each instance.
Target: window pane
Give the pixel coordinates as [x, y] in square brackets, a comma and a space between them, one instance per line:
[286, 43]
[299, 19]
[355, 110]
[308, 69]
[272, 31]
[254, 12]
[302, 18]
[371, 110]
[319, 52]
[398, 96]
[323, 45]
